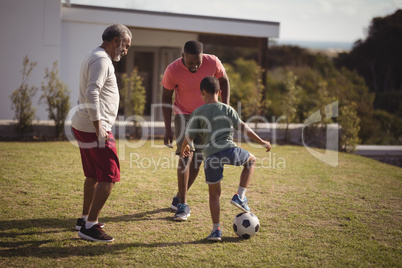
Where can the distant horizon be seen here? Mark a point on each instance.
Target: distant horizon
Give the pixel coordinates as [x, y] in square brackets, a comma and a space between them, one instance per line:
[314, 44]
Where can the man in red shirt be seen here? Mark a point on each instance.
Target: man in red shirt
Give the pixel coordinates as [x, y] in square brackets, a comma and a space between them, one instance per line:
[183, 77]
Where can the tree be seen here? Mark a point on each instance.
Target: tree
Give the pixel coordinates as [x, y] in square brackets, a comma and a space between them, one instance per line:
[56, 97]
[349, 122]
[387, 128]
[133, 97]
[21, 99]
[281, 56]
[289, 100]
[246, 87]
[378, 59]
[322, 100]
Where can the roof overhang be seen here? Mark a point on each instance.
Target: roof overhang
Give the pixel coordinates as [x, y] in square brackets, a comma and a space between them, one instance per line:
[170, 21]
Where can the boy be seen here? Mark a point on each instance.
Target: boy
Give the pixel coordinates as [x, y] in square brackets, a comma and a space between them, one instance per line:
[215, 121]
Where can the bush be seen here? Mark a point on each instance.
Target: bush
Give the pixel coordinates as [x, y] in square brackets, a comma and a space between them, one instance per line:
[21, 99]
[56, 96]
[133, 97]
[349, 121]
[387, 128]
[246, 87]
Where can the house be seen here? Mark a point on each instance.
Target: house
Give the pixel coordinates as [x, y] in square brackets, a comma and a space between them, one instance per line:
[51, 30]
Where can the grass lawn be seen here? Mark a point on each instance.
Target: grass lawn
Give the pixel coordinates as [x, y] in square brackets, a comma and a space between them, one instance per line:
[311, 214]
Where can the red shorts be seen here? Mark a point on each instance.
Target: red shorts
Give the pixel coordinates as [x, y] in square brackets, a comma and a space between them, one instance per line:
[99, 162]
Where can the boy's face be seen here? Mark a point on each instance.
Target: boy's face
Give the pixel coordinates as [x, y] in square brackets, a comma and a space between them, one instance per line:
[205, 95]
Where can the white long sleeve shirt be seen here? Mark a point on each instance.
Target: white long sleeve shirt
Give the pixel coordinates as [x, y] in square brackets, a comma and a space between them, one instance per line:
[99, 95]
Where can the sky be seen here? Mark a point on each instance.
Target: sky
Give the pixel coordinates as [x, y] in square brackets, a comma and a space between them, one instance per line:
[300, 20]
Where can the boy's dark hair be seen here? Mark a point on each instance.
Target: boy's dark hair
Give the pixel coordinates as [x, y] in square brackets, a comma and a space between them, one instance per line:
[210, 84]
[193, 47]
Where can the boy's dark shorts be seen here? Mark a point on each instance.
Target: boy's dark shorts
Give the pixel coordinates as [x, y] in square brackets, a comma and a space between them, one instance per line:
[213, 164]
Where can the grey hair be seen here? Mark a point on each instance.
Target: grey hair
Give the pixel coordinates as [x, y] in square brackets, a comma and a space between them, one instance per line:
[114, 30]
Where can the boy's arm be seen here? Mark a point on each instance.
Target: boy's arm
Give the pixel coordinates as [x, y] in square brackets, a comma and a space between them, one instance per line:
[185, 148]
[252, 135]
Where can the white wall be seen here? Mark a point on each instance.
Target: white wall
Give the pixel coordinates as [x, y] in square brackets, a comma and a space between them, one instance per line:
[158, 38]
[28, 28]
[78, 39]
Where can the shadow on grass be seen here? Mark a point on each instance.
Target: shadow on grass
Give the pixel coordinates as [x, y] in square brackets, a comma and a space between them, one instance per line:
[143, 216]
[19, 229]
[39, 249]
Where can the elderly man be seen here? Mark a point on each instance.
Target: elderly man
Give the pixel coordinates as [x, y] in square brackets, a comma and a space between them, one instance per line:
[92, 124]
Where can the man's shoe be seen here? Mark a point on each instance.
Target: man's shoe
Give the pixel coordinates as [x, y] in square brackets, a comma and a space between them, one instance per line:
[242, 204]
[81, 222]
[95, 233]
[175, 203]
[183, 211]
[215, 235]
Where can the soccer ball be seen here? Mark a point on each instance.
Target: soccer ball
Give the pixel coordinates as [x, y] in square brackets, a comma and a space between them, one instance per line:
[246, 225]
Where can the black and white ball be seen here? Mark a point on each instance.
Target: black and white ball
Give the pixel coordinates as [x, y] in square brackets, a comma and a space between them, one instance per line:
[246, 225]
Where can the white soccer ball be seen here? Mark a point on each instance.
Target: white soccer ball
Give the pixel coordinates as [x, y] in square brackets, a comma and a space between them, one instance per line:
[246, 225]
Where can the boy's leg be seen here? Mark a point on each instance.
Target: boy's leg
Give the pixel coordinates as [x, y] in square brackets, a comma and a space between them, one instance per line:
[239, 199]
[213, 169]
[214, 204]
[248, 171]
[215, 208]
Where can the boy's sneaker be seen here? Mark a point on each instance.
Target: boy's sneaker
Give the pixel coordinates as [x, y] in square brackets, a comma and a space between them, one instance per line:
[95, 233]
[242, 204]
[183, 211]
[215, 235]
[81, 222]
[175, 203]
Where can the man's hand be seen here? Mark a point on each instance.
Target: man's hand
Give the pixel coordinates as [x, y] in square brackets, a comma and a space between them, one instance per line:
[101, 133]
[168, 138]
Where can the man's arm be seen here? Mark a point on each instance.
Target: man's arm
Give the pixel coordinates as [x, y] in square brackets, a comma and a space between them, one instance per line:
[252, 135]
[167, 97]
[225, 88]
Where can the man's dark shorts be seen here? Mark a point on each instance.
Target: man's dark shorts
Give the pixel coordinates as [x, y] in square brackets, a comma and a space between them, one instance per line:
[180, 125]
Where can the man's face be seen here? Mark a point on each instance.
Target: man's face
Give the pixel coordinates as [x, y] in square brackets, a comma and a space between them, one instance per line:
[192, 62]
[122, 47]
